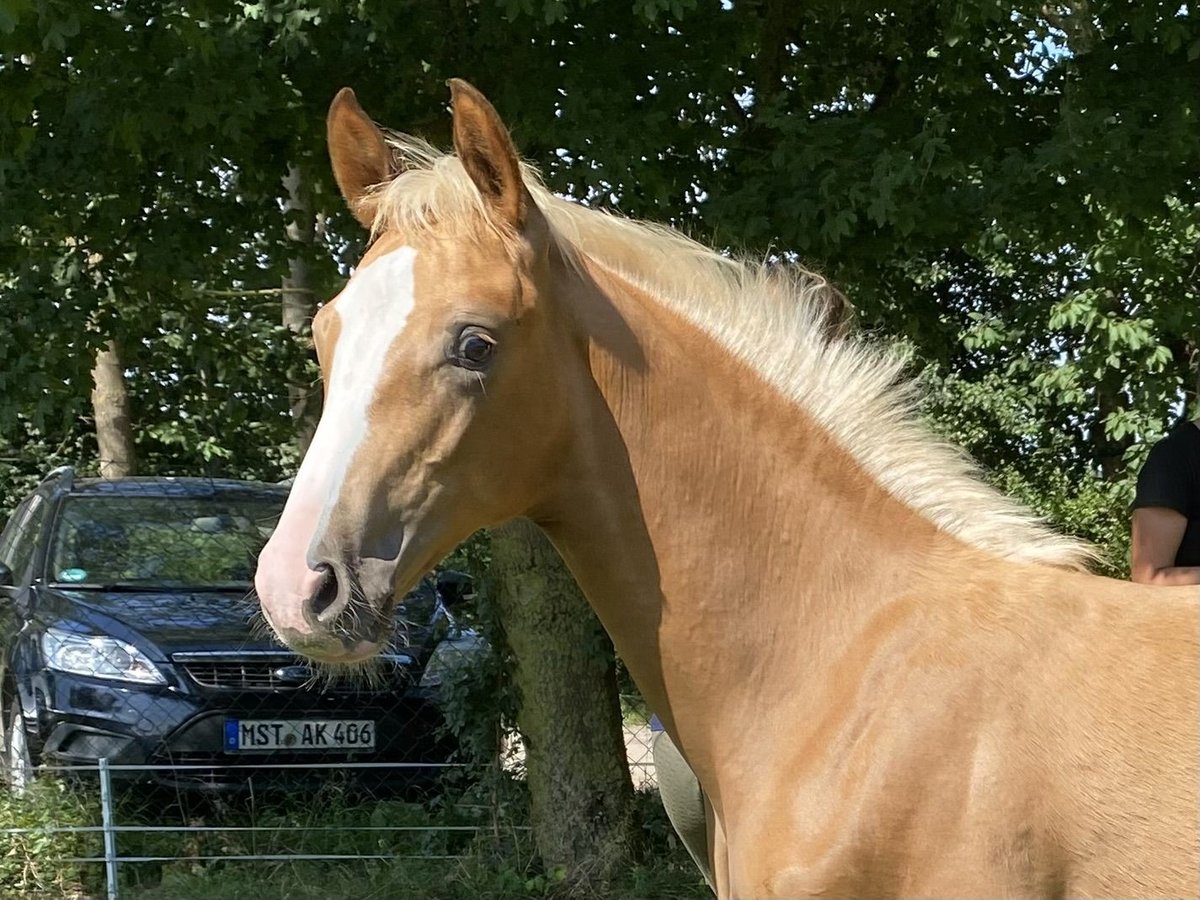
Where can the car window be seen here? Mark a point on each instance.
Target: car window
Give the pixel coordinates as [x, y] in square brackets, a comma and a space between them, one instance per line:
[26, 524]
[162, 541]
[10, 530]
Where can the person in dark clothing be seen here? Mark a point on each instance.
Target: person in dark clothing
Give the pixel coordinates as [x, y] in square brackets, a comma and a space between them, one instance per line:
[1166, 511]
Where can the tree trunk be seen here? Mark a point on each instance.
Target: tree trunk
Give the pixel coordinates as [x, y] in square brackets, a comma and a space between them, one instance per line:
[299, 303]
[110, 406]
[570, 714]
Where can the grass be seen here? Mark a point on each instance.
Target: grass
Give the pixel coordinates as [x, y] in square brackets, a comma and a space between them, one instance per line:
[34, 854]
[472, 878]
[476, 847]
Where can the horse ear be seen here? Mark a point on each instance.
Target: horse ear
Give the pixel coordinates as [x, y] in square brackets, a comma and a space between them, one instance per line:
[361, 157]
[487, 153]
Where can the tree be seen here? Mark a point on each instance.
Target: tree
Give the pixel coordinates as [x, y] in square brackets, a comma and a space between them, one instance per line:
[299, 301]
[111, 225]
[569, 711]
[171, 249]
[1009, 186]
[114, 426]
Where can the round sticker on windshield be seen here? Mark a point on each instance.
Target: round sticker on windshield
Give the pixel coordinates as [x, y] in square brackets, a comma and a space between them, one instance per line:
[73, 575]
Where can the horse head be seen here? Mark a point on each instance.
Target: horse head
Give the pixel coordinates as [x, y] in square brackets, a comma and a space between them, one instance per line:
[440, 415]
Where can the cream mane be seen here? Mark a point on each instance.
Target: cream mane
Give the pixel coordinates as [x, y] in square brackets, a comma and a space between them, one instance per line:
[779, 324]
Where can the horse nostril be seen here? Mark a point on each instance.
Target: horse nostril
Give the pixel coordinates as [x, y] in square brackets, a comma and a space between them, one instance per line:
[326, 593]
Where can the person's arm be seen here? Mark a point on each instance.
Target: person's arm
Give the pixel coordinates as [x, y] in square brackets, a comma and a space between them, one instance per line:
[1157, 532]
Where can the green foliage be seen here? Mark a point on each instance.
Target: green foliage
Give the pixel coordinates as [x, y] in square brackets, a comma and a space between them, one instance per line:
[35, 859]
[457, 849]
[1010, 187]
[137, 206]
[26, 455]
[1000, 423]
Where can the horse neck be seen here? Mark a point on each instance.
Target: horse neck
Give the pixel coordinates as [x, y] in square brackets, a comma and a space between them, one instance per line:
[722, 536]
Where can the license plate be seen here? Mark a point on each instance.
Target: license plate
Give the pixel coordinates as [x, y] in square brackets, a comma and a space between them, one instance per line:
[299, 734]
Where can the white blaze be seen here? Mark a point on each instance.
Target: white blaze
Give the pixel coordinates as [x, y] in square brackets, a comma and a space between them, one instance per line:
[372, 311]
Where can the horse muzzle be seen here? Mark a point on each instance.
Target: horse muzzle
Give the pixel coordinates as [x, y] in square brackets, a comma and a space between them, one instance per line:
[325, 615]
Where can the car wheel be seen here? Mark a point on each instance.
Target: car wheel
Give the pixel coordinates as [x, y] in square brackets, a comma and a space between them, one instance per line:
[18, 761]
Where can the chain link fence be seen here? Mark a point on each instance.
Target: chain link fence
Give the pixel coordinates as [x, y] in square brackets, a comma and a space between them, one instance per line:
[153, 727]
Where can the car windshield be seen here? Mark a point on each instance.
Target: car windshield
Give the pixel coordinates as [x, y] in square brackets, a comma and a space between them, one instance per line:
[162, 541]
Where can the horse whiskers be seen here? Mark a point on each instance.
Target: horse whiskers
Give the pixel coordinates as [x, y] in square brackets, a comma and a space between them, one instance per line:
[260, 628]
[366, 674]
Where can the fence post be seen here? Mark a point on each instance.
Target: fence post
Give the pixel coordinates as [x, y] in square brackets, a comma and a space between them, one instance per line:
[110, 835]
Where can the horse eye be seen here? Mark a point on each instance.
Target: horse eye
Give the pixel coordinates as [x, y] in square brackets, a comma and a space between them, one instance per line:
[475, 349]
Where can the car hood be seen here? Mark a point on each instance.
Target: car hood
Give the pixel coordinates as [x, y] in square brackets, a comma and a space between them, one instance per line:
[174, 622]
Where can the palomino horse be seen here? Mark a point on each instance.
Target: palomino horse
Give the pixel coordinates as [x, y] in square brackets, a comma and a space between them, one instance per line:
[890, 680]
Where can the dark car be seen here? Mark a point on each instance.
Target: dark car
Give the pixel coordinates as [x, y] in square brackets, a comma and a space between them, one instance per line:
[129, 630]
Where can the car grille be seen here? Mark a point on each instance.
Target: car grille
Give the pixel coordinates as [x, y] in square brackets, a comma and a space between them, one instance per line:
[276, 674]
[243, 675]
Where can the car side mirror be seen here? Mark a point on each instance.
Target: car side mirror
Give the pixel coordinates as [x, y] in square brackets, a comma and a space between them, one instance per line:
[6, 575]
[455, 588]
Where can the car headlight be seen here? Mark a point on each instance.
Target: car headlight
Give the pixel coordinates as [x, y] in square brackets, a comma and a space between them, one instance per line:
[451, 655]
[99, 657]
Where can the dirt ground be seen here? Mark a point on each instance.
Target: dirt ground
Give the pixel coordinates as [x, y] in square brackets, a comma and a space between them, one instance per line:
[637, 752]
[641, 761]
